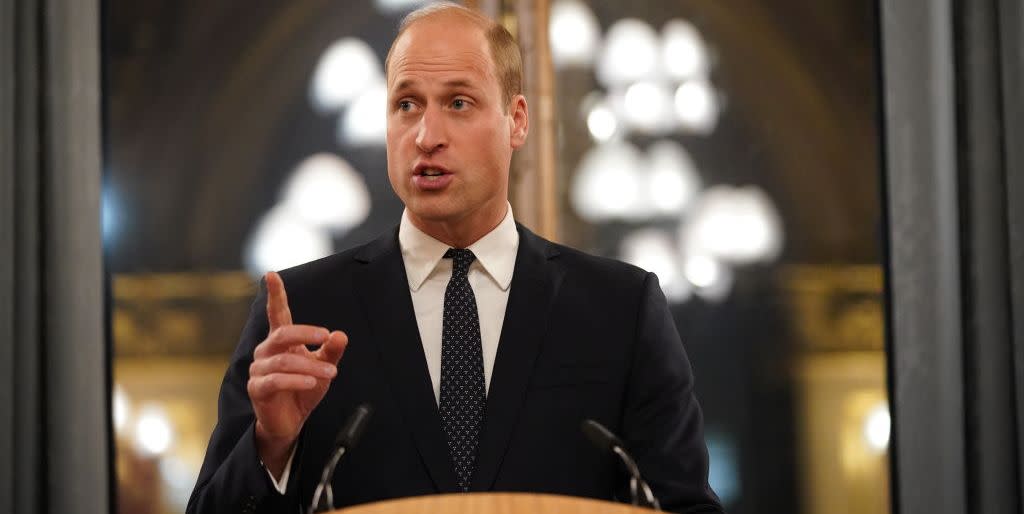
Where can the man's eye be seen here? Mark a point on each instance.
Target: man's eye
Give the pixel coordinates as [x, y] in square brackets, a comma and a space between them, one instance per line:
[459, 103]
[405, 105]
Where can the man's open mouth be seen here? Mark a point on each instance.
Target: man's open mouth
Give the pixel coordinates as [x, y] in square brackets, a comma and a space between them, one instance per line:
[431, 173]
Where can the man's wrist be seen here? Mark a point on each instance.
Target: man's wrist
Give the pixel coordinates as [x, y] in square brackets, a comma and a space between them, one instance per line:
[273, 451]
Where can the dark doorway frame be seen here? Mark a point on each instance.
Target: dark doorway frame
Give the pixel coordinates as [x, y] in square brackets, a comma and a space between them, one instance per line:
[953, 115]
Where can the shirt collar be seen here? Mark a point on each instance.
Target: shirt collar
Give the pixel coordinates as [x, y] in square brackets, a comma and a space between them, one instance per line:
[495, 251]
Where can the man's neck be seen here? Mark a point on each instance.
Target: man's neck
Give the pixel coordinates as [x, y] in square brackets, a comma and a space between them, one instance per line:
[464, 232]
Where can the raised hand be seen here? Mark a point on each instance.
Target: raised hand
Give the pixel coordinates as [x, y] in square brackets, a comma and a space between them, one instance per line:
[286, 379]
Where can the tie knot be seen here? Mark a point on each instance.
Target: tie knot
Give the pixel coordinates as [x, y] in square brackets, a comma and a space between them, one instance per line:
[461, 259]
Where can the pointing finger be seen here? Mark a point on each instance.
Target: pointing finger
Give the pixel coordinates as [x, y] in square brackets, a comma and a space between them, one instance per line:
[278, 313]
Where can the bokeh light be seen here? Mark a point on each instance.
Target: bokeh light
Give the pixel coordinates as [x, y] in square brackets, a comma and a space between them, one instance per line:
[696, 106]
[738, 225]
[607, 182]
[325, 191]
[365, 121]
[630, 54]
[712, 279]
[345, 69]
[602, 123]
[683, 53]
[111, 214]
[283, 239]
[574, 33]
[702, 271]
[121, 409]
[672, 179]
[877, 428]
[647, 107]
[724, 466]
[153, 432]
[654, 251]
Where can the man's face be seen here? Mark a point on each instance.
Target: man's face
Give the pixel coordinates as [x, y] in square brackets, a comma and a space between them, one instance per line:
[450, 136]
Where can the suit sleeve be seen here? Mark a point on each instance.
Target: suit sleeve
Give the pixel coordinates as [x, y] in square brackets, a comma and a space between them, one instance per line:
[232, 478]
[662, 422]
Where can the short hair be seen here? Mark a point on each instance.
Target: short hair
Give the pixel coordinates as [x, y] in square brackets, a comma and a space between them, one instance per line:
[505, 52]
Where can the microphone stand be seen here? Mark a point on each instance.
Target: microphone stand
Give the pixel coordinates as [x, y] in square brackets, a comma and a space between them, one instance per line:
[325, 484]
[323, 496]
[606, 440]
[636, 483]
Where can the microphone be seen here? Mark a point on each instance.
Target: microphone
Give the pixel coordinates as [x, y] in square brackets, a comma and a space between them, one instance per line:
[346, 439]
[605, 440]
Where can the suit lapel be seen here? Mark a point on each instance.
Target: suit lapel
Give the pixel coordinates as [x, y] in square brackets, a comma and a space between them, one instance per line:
[535, 284]
[389, 310]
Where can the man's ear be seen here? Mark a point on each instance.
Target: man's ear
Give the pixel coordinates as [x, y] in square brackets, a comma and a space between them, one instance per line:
[520, 119]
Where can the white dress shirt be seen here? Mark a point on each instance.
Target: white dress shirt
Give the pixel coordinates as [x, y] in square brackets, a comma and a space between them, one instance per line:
[490, 276]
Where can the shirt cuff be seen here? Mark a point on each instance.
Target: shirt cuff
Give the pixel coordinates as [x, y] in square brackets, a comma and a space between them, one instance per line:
[282, 485]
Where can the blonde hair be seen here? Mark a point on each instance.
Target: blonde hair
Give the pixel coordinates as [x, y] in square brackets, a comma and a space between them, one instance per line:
[508, 61]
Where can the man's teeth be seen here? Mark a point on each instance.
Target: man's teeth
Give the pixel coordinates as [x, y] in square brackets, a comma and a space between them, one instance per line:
[432, 173]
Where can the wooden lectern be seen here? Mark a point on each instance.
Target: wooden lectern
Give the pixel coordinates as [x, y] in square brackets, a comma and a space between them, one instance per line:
[494, 503]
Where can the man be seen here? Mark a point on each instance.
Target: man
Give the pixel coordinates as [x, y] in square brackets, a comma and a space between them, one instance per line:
[480, 346]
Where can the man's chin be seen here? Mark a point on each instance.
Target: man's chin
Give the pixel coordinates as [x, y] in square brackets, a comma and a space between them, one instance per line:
[433, 211]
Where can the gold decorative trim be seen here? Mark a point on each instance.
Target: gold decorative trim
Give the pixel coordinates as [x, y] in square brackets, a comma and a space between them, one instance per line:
[836, 307]
[179, 314]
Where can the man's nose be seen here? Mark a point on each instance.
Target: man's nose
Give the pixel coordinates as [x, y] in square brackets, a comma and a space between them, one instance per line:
[432, 135]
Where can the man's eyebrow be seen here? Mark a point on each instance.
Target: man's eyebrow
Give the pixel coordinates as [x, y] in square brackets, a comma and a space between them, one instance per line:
[404, 84]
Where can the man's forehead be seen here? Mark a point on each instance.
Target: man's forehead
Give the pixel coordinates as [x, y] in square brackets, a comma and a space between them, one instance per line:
[464, 69]
[441, 43]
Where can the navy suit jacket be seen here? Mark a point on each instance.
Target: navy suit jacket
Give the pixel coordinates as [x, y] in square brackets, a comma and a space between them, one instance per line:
[583, 337]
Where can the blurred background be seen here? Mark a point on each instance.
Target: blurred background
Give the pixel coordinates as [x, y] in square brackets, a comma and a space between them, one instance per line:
[730, 147]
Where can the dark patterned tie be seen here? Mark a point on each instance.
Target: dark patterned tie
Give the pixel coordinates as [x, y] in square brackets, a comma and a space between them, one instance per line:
[462, 369]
